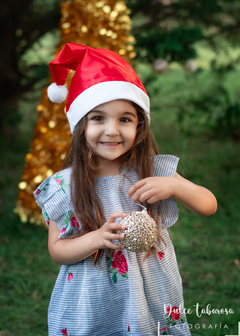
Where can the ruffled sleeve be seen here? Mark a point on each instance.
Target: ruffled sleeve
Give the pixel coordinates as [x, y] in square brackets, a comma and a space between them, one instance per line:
[166, 166]
[54, 200]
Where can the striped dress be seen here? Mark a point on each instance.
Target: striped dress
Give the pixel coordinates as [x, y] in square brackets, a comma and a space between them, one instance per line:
[123, 295]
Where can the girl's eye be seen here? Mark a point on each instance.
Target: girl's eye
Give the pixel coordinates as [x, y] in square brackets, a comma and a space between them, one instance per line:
[97, 118]
[125, 120]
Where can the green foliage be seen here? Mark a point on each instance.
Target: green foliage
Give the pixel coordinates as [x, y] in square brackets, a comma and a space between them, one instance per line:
[177, 45]
[212, 111]
[174, 26]
[205, 102]
[173, 30]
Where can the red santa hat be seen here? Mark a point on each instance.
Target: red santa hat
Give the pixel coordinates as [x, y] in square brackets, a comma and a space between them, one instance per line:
[100, 76]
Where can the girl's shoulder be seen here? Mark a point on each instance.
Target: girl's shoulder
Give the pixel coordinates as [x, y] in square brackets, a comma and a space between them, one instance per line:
[54, 198]
[63, 177]
[52, 184]
[165, 165]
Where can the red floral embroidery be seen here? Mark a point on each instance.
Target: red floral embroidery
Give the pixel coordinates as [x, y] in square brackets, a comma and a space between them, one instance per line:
[46, 218]
[174, 312]
[74, 221]
[173, 316]
[164, 331]
[160, 255]
[119, 262]
[69, 218]
[58, 181]
[64, 331]
[70, 276]
[128, 326]
[37, 191]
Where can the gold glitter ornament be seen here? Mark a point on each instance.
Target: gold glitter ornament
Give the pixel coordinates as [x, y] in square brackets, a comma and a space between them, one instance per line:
[141, 231]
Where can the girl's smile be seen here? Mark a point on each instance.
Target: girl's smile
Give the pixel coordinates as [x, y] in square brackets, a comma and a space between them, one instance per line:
[110, 144]
[111, 130]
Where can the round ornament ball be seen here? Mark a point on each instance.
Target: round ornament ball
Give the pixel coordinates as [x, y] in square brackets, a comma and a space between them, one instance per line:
[141, 231]
[160, 65]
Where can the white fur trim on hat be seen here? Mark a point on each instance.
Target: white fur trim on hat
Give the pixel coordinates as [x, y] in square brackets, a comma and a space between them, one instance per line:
[57, 93]
[105, 92]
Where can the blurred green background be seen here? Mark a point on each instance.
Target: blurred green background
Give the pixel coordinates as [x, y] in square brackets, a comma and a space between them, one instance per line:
[196, 116]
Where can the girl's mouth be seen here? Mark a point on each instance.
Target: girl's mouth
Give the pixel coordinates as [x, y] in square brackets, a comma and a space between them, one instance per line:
[110, 143]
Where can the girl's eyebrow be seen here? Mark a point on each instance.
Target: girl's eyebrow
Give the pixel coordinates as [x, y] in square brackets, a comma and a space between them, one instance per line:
[98, 111]
[132, 114]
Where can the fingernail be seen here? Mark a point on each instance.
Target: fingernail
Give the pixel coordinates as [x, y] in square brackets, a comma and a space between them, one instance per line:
[123, 227]
[122, 235]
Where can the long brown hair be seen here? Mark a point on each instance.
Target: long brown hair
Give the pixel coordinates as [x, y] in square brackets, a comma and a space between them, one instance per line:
[81, 159]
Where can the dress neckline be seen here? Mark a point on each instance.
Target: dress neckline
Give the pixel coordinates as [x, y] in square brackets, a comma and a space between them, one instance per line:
[111, 177]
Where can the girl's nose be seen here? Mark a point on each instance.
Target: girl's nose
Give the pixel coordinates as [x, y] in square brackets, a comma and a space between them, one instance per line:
[111, 129]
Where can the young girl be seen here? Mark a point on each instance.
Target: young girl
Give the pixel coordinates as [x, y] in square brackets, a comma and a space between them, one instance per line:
[112, 168]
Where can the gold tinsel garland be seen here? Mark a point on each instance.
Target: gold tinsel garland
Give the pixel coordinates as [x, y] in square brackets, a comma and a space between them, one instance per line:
[97, 24]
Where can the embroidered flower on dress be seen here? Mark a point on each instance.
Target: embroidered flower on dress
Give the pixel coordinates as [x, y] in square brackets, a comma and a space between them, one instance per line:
[74, 221]
[70, 275]
[46, 217]
[128, 326]
[160, 255]
[60, 180]
[65, 333]
[173, 312]
[173, 316]
[118, 262]
[37, 191]
[69, 218]
[164, 331]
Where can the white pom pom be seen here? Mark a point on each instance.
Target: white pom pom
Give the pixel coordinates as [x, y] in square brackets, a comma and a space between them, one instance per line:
[57, 93]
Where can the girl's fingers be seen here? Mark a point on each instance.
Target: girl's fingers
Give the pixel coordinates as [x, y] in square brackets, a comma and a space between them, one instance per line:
[147, 195]
[116, 227]
[118, 247]
[112, 236]
[152, 199]
[115, 246]
[114, 216]
[139, 194]
[136, 186]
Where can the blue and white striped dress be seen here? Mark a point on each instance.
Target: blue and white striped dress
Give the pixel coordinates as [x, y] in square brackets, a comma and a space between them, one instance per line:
[123, 295]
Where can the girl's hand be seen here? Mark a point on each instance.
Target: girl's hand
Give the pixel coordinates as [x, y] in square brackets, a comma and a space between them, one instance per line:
[107, 232]
[194, 197]
[152, 189]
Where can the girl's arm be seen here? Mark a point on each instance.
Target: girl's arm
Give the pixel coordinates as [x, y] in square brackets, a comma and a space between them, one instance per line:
[70, 251]
[194, 197]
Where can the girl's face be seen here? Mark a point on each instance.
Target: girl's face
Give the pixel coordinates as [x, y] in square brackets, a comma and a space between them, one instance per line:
[111, 129]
